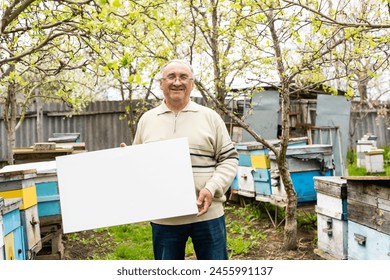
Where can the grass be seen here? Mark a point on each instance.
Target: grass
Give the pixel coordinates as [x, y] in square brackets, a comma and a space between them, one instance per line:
[241, 236]
[354, 170]
[133, 240]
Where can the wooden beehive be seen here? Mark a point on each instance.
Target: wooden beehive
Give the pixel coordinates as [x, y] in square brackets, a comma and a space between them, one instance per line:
[14, 248]
[2, 256]
[365, 243]
[253, 177]
[49, 211]
[20, 184]
[332, 224]
[369, 201]
[304, 163]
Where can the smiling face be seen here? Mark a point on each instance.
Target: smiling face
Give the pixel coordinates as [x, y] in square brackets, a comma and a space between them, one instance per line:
[176, 84]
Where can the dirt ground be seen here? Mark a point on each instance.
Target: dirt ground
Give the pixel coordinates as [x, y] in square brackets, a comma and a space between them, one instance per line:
[270, 248]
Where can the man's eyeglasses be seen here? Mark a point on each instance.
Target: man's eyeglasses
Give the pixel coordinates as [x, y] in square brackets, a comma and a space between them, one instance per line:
[174, 78]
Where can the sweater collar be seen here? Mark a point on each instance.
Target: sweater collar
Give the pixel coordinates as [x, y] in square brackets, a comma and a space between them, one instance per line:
[191, 106]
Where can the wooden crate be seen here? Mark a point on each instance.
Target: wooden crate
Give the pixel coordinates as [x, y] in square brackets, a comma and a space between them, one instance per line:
[365, 243]
[368, 201]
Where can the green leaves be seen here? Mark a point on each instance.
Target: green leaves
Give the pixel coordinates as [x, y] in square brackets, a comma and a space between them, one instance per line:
[116, 3]
[136, 79]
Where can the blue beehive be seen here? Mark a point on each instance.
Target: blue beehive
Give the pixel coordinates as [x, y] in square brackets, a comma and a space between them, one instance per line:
[46, 183]
[48, 206]
[253, 178]
[20, 184]
[1, 229]
[304, 163]
[14, 247]
[48, 196]
[365, 243]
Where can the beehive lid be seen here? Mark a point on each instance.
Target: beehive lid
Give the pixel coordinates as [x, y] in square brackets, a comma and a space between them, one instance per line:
[43, 167]
[330, 179]
[249, 146]
[17, 175]
[368, 178]
[374, 152]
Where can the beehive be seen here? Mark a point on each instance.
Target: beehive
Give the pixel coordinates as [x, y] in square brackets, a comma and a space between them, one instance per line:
[368, 202]
[332, 224]
[253, 177]
[304, 163]
[14, 247]
[21, 184]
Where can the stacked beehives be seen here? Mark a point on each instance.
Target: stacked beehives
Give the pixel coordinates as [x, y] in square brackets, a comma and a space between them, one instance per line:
[24, 243]
[39, 214]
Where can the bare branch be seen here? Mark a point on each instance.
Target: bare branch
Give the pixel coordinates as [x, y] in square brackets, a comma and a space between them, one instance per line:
[41, 45]
[336, 22]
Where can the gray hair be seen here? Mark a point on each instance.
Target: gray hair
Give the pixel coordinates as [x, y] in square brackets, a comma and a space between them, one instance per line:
[180, 61]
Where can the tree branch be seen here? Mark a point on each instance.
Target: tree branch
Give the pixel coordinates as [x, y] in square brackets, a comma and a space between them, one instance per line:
[9, 16]
[336, 22]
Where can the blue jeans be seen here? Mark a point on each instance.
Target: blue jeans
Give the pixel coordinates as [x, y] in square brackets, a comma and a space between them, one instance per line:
[208, 237]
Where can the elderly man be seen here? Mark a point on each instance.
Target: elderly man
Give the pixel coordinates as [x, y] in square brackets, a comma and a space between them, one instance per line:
[214, 163]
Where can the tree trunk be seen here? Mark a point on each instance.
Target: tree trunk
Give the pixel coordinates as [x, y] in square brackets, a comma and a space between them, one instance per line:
[10, 145]
[38, 102]
[363, 79]
[10, 112]
[290, 227]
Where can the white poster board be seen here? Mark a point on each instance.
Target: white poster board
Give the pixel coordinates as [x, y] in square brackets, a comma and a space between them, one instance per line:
[126, 185]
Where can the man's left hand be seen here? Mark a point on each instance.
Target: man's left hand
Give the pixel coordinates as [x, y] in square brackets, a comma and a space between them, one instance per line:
[204, 201]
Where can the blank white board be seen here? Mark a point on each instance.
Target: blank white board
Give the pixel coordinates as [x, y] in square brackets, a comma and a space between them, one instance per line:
[126, 185]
